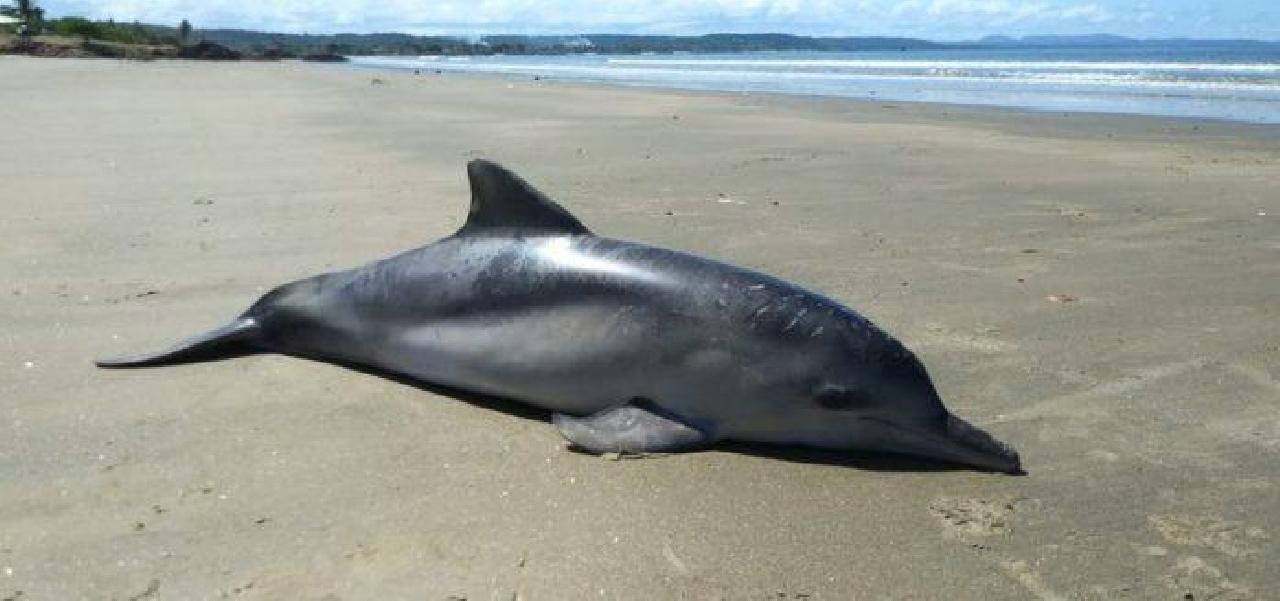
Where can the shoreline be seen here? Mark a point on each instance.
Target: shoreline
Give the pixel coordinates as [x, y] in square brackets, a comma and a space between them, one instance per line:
[1010, 120]
[1096, 291]
[993, 115]
[973, 108]
[1082, 93]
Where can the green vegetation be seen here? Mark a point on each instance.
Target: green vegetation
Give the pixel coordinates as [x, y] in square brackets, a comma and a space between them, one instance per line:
[80, 37]
[108, 38]
[110, 31]
[28, 14]
[224, 43]
[257, 43]
[262, 45]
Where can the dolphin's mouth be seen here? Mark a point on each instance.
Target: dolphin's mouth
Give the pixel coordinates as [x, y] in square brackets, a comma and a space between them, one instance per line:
[955, 441]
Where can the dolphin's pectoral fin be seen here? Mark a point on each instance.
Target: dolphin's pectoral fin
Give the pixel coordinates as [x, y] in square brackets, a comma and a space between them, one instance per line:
[639, 426]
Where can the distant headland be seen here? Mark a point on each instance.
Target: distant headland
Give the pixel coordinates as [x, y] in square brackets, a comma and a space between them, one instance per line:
[28, 33]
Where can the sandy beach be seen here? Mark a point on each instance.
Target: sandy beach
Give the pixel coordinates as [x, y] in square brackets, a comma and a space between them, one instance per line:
[1102, 292]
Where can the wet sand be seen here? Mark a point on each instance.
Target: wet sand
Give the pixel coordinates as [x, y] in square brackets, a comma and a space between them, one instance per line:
[1099, 291]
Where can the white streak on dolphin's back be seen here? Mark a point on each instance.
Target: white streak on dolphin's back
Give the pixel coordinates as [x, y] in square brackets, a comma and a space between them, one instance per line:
[563, 253]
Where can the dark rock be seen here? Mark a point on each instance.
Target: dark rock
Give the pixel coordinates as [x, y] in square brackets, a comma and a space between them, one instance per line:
[209, 51]
[324, 57]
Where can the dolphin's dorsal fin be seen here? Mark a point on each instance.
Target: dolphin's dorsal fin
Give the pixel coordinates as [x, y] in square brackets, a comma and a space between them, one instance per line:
[500, 201]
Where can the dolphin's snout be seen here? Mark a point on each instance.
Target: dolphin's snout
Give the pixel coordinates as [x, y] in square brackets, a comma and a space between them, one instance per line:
[950, 440]
[981, 448]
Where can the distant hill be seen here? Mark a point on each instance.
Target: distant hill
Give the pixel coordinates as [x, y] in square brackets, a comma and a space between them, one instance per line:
[1098, 40]
[737, 42]
[267, 45]
[294, 44]
[256, 42]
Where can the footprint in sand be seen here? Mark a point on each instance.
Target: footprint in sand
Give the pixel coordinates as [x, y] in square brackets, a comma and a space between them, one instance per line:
[973, 517]
[1234, 539]
[1195, 579]
[1025, 575]
[980, 341]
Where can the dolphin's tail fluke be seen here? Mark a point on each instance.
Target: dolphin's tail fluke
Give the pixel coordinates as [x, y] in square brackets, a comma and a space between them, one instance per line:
[230, 339]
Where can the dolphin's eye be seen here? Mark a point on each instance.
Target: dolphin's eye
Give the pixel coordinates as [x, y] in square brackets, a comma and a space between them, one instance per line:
[840, 399]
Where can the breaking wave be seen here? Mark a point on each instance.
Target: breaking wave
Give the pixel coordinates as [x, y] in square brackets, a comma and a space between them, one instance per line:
[1245, 89]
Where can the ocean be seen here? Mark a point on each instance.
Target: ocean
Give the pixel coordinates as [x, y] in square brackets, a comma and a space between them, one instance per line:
[1229, 81]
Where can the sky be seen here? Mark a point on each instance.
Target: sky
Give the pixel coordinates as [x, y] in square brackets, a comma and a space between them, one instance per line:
[932, 19]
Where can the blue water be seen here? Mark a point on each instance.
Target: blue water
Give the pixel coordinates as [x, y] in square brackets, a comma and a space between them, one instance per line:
[1238, 82]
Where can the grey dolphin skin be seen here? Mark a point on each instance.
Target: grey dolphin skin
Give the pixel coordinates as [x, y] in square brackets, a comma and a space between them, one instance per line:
[634, 349]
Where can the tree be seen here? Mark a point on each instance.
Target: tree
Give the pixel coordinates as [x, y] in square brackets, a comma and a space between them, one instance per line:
[184, 33]
[78, 26]
[31, 16]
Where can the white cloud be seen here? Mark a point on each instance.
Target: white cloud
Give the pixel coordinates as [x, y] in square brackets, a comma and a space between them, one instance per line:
[1090, 12]
[1008, 11]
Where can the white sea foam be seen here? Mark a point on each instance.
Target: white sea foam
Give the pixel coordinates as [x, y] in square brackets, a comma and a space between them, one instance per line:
[654, 72]
[958, 64]
[1244, 91]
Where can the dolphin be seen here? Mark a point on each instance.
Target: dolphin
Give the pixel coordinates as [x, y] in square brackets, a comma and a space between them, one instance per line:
[633, 348]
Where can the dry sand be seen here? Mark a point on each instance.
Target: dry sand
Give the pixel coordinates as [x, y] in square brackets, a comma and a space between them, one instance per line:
[147, 201]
